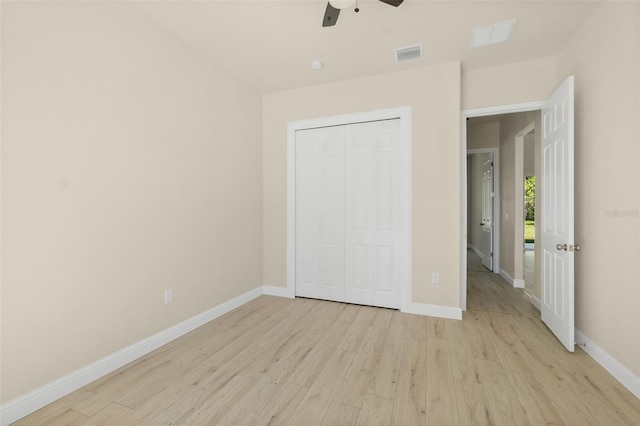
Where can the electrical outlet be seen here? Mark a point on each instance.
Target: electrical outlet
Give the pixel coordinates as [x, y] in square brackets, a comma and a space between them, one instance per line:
[168, 296]
[435, 278]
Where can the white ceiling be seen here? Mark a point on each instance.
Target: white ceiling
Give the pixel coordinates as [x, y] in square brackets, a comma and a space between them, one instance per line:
[269, 44]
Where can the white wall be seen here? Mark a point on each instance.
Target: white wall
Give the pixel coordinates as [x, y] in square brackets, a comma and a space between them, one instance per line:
[129, 166]
[604, 56]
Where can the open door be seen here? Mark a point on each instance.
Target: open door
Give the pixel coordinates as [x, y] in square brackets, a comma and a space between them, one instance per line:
[486, 239]
[558, 248]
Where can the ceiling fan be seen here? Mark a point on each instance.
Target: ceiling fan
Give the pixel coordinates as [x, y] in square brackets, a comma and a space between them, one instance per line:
[334, 7]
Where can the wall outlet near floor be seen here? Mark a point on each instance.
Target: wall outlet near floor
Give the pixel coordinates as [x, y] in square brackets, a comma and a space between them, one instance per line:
[435, 278]
[168, 296]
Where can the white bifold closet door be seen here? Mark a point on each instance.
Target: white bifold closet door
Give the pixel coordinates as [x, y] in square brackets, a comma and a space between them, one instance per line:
[320, 213]
[348, 212]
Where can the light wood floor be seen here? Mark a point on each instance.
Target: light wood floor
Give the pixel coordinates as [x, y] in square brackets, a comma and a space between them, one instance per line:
[489, 292]
[529, 274]
[474, 263]
[279, 361]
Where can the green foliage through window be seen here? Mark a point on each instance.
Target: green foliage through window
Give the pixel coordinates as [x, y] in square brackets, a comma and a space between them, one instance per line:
[530, 197]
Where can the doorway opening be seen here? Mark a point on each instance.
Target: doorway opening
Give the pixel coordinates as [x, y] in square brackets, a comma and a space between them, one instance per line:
[555, 121]
[486, 137]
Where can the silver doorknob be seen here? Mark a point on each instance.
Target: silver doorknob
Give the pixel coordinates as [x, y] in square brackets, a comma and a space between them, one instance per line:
[577, 247]
[561, 247]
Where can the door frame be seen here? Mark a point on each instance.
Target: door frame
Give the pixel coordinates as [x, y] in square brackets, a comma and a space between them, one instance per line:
[470, 113]
[405, 116]
[496, 204]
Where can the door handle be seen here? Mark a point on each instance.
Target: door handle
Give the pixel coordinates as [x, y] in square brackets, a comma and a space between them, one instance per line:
[561, 247]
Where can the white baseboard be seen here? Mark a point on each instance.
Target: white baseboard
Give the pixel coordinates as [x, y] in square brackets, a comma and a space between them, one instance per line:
[412, 308]
[44, 395]
[536, 302]
[278, 291]
[515, 282]
[506, 276]
[476, 250]
[609, 363]
[433, 311]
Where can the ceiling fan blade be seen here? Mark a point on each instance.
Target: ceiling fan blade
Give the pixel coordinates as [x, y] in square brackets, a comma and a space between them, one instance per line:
[394, 3]
[330, 16]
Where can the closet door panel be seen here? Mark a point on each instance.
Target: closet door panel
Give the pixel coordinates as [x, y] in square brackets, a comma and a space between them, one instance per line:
[372, 213]
[359, 214]
[386, 231]
[320, 213]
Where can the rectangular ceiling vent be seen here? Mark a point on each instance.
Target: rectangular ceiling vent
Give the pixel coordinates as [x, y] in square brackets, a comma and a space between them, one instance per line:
[410, 53]
[492, 34]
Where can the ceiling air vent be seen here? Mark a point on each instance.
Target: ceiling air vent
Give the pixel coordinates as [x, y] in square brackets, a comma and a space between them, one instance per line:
[410, 53]
[492, 34]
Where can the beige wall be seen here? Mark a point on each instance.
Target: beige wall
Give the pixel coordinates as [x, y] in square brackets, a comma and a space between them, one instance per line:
[529, 155]
[129, 166]
[434, 94]
[604, 56]
[483, 135]
[508, 84]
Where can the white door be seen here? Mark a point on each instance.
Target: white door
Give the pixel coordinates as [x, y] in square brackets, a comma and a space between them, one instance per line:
[320, 213]
[557, 217]
[486, 236]
[347, 208]
[372, 213]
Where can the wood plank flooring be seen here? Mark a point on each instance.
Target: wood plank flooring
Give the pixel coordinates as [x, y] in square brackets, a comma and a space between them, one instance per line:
[529, 273]
[278, 361]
